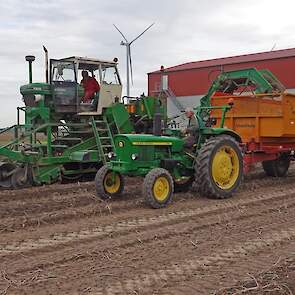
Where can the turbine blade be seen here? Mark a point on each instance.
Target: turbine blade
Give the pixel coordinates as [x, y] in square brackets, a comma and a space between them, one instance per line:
[120, 32]
[142, 33]
[130, 62]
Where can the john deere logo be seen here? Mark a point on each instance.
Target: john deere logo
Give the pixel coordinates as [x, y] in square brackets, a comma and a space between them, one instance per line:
[121, 144]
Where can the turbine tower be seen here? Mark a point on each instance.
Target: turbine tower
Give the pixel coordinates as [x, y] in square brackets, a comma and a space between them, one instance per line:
[129, 70]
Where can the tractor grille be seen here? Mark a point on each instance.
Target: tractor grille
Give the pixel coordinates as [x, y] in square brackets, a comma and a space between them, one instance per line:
[146, 153]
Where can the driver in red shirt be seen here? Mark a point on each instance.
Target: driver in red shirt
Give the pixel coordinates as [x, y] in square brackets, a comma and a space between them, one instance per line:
[90, 86]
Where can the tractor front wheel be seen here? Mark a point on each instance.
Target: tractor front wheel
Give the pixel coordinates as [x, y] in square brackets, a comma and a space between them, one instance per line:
[158, 188]
[276, 168]
[219, 167]
[108, 184]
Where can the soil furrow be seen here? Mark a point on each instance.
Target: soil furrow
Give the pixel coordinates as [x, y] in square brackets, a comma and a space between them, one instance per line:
[168, 232]
[124, 226]
[62, 239]
[87, 205]
[131, 224]
[137, 256]
[149, 280]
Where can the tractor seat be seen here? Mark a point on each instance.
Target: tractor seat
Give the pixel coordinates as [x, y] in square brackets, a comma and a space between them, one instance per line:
[90, 106]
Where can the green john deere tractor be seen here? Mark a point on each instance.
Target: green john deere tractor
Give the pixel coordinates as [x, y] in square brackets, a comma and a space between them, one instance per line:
[214, 164]
[62, 137]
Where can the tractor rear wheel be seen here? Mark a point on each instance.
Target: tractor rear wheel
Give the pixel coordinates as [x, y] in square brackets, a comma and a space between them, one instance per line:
[158, 188]
[219, 167]
[108, 184]
[276, 168]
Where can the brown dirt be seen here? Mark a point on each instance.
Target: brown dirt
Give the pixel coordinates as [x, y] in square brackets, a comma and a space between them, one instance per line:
[278, 280]
[62, 239]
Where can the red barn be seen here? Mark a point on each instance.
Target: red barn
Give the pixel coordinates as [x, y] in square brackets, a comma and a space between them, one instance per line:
[188, 82]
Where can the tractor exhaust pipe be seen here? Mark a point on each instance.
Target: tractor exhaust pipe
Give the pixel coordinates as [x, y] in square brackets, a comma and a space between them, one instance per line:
[46, 64]
[30, 59]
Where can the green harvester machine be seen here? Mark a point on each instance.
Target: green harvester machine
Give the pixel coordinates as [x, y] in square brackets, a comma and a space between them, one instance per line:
[63, 138]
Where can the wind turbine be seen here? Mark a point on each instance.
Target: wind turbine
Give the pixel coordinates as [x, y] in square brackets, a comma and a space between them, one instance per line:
[129, 71]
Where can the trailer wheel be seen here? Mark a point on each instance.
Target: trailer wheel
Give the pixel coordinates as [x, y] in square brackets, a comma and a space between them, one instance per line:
[276, 168]
[219, 167]
[108, 184]
[158, 188]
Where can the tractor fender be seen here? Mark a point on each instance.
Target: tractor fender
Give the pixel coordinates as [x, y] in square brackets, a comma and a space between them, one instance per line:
[222, 131]
[233, 134]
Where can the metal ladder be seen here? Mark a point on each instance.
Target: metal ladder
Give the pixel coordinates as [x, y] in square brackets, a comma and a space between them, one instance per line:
[103, 137]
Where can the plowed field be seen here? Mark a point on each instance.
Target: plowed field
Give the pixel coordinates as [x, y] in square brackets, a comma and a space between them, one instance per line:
[62, 239]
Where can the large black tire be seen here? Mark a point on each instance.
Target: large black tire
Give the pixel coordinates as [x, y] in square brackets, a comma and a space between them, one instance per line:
[183, 186]
[219, 167]
[158, 188]
[276, 168]
[104, 188]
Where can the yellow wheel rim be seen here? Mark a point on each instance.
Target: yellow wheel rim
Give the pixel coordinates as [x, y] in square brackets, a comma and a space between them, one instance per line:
[225, 167]
[112, 182]
[161, 188]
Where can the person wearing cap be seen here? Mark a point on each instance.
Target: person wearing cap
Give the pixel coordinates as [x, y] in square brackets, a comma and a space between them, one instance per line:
[90, 86]
[192, 121]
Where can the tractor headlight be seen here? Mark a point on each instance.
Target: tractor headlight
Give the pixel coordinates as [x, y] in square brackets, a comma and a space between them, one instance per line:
[121, 144]
[111, 155]
[134, 157]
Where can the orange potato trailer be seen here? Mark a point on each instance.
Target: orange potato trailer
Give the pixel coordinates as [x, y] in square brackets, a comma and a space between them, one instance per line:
[265, 123]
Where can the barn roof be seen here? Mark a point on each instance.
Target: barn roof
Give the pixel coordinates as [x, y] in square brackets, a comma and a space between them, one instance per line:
[283, 53]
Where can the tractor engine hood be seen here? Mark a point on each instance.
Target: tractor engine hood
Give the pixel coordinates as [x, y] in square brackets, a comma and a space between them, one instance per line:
[129, 140]
[35, 89]
[34, 92]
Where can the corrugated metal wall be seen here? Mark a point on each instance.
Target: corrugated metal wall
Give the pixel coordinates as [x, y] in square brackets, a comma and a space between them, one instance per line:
[197, 81]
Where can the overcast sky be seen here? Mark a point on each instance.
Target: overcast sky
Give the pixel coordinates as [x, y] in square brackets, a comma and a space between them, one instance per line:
[184, 31]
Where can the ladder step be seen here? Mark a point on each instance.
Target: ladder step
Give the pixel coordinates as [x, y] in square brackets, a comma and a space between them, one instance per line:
[101, 129]
[107, 145]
